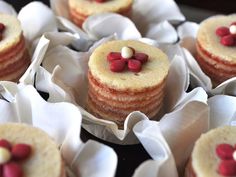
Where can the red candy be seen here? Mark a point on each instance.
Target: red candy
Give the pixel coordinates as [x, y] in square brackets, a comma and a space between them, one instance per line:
[117, 65]
[2, 27]
[114, 56]
[134, 65]
[100, 1]
[21, 151]
[6, 144]
[1, 170]
[228, 40]
[234, 23]
[227, 168]
[141, 57]
[222, 31]
[12, 169]
[225, 151]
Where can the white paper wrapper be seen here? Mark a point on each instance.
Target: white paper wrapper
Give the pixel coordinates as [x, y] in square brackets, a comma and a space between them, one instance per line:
[7, 8]
[69, 68]
[153, 24]
[187, 33]
[62, 121]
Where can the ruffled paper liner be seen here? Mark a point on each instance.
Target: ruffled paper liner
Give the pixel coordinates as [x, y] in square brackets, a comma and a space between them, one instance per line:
[62, 121]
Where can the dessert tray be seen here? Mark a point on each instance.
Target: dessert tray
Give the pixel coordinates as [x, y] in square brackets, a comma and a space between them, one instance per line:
[52, 92]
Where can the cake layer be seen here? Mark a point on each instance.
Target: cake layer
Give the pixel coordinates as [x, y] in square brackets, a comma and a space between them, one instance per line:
[211, 42]
[126, 104]
[216, 59]
[216, 70]
[127, 107]
[76, 18]
[130, 96]
[14, 61]
[12, 51]
[217, 75]
[117, 116]
[12, 33]
[15, 70]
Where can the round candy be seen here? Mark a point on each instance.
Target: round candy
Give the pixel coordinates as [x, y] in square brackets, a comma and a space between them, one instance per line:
[126, 52]
[232, 29]
[5, 155]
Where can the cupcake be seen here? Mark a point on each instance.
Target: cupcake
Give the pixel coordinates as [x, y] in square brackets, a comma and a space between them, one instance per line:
[216, 47]
[214, 154]
[28, 151]
[14, 57]
[126, 76]
[81, 9]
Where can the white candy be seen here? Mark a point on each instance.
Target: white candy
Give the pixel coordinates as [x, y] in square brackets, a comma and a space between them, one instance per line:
[5, 155]
[232, 29]
[234, 155]
[126, 52]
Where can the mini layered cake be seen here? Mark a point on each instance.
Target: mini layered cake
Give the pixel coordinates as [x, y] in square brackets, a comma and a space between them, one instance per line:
[214, 154]
[14, 57]
[216, 47]
[81, 9]
[28, 151]
[126, 76]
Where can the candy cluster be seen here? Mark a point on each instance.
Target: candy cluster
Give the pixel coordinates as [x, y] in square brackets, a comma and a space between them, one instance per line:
[227, 35]
[10, 158]
[227, 154]
[127, 57]
[2, 28]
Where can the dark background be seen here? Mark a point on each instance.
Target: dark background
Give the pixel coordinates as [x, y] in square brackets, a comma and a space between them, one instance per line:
[221, 6]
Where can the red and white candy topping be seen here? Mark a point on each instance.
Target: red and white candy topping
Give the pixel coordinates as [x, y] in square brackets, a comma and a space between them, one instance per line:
[10, 156]
[227, 35]
[227, 154]
[127, 57]
[100, 1]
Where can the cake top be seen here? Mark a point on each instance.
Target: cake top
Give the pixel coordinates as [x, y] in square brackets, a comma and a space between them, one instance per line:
[213, 153]
[44, 159]
[209, 38]
[11, 35]
[90, 7]
[152, 72]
